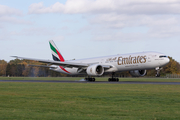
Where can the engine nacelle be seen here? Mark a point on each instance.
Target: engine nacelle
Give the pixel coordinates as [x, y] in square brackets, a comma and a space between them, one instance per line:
[95, 70]
[138, 73]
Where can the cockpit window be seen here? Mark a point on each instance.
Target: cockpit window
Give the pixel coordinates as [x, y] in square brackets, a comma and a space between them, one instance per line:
[162, 56]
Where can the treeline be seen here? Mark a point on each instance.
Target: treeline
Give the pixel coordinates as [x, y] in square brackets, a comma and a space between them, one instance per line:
[20, 68]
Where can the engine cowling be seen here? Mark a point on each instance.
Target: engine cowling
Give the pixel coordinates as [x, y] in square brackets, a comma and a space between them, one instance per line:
[95, 70]
[138, 73]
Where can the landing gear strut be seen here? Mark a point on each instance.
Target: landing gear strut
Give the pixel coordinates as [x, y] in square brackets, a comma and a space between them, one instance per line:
[158, 69]
[113, 79]
[90, 79]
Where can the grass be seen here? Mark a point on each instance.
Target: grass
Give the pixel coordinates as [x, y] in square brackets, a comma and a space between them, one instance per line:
[86, 101]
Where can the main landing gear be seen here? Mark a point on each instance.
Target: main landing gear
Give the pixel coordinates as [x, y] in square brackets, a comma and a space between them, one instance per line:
[158, 69]
[113, 79]
[90, 79]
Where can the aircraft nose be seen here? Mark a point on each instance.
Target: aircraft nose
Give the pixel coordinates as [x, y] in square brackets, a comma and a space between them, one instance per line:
[167, 60]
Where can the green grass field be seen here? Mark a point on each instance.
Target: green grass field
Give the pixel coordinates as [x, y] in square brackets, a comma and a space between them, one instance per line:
[89, 101]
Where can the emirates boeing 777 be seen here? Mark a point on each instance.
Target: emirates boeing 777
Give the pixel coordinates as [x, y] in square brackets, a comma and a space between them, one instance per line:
[135, 63]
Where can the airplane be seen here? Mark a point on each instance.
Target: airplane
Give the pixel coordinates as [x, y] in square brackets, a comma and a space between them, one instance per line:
[135, 63]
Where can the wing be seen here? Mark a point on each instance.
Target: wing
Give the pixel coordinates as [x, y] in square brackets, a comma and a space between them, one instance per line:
[64, 64]
[51, 62]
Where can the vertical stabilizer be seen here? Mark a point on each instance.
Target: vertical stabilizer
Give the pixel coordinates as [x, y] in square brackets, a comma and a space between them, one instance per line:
[55, 52]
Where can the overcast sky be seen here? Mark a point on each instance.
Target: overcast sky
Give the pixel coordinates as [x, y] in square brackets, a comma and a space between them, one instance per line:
[88, 28]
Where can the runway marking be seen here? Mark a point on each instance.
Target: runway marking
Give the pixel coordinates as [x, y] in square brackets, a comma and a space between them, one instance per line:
[96, 82]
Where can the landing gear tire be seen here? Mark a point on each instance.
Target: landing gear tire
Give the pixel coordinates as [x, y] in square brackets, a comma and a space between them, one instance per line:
[90, 79]
[113, 80]
[157, 75]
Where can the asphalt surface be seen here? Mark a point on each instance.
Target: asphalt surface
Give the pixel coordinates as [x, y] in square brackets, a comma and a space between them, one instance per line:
[96, 82]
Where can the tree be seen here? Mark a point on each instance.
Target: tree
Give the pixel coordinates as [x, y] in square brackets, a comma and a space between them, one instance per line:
[3, 65]
[26, 71]
[172, 67]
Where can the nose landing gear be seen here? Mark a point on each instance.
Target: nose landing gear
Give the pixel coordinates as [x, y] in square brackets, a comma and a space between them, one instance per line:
[158, 69]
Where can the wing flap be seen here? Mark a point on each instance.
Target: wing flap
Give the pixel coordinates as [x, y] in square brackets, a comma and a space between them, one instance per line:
[42, 66]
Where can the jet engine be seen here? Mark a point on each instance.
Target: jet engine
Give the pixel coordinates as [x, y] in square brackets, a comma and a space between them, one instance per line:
[95, 70]
[138, 73]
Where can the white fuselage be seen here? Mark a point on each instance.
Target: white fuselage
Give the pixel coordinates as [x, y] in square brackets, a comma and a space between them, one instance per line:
[122, 62]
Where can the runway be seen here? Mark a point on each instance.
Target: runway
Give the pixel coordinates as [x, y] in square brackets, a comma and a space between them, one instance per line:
[96, 82]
